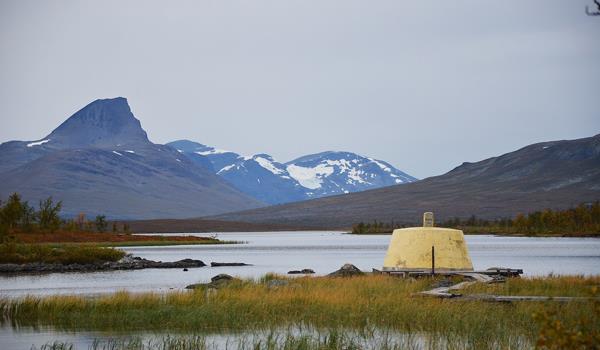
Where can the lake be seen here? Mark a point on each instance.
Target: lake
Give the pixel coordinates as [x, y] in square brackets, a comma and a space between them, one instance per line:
[323, 252]
[277, 252]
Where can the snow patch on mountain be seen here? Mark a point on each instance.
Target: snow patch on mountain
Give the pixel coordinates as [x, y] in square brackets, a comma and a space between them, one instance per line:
[311, 178]
[37, 143]
[381, 165]
[212, 151]
[268, 164]
[226, 168]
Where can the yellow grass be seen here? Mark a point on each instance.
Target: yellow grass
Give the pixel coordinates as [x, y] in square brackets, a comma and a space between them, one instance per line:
[365, 302]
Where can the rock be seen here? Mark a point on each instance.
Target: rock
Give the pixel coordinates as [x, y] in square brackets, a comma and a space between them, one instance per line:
[301, 272]
[277, 283]
[348, 270]
[185, 270]
[221, 276]
[218, 264]
[218, 281]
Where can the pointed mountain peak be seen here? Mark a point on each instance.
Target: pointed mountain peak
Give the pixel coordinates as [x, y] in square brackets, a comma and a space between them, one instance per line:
[102, 123]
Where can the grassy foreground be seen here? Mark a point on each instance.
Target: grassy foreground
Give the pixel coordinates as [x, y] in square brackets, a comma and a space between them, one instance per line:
[368, 302]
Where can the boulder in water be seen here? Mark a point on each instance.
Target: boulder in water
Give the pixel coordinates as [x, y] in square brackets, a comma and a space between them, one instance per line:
[348, 270]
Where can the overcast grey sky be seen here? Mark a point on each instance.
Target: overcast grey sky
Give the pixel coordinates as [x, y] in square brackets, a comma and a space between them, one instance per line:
[425, 85]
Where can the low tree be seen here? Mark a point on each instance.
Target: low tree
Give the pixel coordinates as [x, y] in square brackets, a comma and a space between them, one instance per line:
[12, 212]
[101, 223]
[28, 217]
[48, 214]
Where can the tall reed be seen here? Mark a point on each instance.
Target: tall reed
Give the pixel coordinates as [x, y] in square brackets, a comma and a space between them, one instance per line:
[366, 302]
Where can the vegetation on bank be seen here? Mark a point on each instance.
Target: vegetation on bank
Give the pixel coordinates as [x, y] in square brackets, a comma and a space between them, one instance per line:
[554, 286]
[371, 302]
[583, 220]
[111, 239]
[13, 253]
[18, 216]
[40, 235]
[286, 339]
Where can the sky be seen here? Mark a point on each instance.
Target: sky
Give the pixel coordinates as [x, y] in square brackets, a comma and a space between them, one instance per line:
[424, 85]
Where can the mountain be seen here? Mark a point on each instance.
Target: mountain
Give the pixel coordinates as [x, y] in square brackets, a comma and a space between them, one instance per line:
[330, 173]
[311, 176]
[556, 174]
[100, 161]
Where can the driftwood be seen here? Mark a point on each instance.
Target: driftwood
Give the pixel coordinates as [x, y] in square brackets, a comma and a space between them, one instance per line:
[511, 298]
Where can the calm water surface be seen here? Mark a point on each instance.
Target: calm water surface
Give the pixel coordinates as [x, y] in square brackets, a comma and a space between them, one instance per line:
[323, 252]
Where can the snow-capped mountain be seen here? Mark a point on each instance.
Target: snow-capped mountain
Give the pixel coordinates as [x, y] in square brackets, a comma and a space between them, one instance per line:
[259, 176]
[330, 173]
[311, 176]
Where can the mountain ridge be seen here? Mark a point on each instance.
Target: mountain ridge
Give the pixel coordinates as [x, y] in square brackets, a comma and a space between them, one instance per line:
[552, 174]
[310, 176]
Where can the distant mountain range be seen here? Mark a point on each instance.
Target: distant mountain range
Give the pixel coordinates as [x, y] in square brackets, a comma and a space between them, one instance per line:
[100, 161]
[556, 174]
[311, 176]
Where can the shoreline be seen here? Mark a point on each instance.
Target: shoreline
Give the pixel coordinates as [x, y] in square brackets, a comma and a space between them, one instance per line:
[127, 263]
[542, 235]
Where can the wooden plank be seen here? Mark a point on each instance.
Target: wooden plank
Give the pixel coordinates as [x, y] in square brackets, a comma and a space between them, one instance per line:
[477, 276]
[512, 298]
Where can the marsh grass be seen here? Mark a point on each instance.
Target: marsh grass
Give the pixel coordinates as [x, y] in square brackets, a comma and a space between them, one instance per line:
[296, 339]
[111, 239]
[360, 303]
[16, 253]
[331, 339]
[555, 286]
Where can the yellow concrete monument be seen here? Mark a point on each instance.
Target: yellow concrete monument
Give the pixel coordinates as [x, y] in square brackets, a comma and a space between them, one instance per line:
[421, 248]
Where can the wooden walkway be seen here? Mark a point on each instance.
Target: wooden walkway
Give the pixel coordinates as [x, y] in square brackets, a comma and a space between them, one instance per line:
[446, 292]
